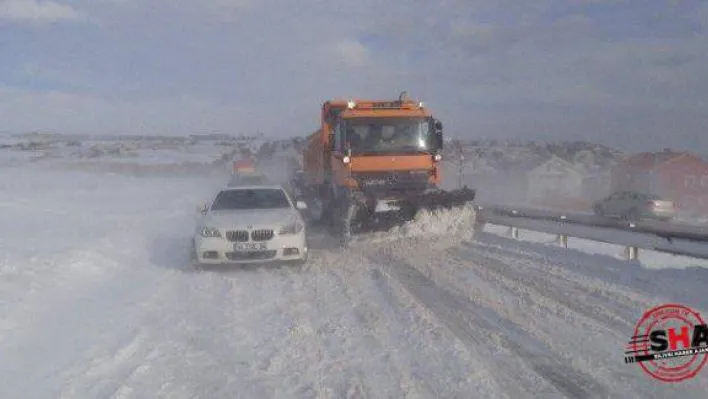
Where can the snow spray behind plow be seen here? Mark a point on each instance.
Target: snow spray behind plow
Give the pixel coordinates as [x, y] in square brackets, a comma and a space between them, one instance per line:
[444, 223]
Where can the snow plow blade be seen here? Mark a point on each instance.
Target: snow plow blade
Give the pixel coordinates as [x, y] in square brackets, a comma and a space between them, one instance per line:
[444, 199]
[360, 218]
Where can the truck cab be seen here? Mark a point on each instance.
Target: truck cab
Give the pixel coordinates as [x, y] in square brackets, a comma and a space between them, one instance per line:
[379, 146]
[371, 157]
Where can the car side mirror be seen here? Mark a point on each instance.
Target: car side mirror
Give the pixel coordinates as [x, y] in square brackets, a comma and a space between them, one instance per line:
[203, 208]
[301, 205]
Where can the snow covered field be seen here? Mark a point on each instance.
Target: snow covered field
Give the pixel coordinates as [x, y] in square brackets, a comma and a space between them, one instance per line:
[97, 301]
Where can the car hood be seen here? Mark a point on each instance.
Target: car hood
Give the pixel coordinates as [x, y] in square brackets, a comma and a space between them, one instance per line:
[238, 218]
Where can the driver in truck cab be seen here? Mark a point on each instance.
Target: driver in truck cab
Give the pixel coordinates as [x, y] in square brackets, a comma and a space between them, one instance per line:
[392, 137]
[376, 137]
[360, 137]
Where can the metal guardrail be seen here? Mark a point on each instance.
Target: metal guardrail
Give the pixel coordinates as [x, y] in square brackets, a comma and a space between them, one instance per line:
[669, 230]
[667, 237]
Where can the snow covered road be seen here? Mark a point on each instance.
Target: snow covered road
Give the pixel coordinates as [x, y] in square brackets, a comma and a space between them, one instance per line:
[97, 302]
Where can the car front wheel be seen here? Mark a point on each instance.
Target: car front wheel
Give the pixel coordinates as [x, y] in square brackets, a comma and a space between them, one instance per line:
[193, 260]
[634, 215]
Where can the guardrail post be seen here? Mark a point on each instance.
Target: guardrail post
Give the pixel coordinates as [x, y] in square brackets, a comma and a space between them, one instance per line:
[514, 232]
[562, 238]
[632, 253]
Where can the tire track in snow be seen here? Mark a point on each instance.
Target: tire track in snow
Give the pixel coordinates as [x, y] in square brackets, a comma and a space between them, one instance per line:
[625, 297]
[348, 332]
[583, 300]
[311, 360]
[291, 366]
[379, 316]
[72, 334]
[557, 266]
[109, 375]
[183, 344]
[131, 331]
[605, 305]
[635, 281]
[571, 328]
[215, 332]
[116, 361]
[308, 360]
[477, 325]
[402, 356]
[393, 310]
[99, 375]
[457, 376]
[590, 342]
[234, 332]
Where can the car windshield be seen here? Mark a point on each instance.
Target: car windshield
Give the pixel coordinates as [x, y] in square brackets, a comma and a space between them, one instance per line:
[261, 198]
[382, 135]
[651, 197]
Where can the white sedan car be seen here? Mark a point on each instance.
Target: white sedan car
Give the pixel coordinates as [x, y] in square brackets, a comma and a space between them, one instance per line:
[250, 224]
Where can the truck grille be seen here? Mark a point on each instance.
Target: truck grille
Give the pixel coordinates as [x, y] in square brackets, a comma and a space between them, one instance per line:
[393, 181]
[261, 235]
[237, 236]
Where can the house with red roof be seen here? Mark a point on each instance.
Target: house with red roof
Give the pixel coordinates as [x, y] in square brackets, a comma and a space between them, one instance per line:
[678, 176]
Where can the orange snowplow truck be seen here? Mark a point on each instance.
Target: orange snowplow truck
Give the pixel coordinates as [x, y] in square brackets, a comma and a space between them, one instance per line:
[375, 160]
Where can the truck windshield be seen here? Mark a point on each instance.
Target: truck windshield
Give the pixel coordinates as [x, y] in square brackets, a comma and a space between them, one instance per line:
[387, 135]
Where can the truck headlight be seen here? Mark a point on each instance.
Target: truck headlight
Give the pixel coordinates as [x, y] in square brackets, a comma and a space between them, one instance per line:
[209, 232]
[291, 228]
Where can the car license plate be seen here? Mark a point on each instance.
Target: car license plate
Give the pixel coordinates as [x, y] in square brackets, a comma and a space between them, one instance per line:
[249, 246]
[386, 206]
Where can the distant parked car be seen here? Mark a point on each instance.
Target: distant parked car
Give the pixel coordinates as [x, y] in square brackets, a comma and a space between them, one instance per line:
[632, 205]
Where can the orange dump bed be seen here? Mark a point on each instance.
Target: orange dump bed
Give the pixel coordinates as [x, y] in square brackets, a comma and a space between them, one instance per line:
[244, 166]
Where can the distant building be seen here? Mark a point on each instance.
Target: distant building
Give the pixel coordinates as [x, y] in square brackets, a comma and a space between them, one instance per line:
[597, 184]
[555, 178]
[491, 185]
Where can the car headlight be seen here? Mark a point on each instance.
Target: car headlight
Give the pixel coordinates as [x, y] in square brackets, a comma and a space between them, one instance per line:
[291, 228]
[209, 232]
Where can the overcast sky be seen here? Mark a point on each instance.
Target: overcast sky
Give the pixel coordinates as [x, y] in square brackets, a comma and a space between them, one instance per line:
[627, 73]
